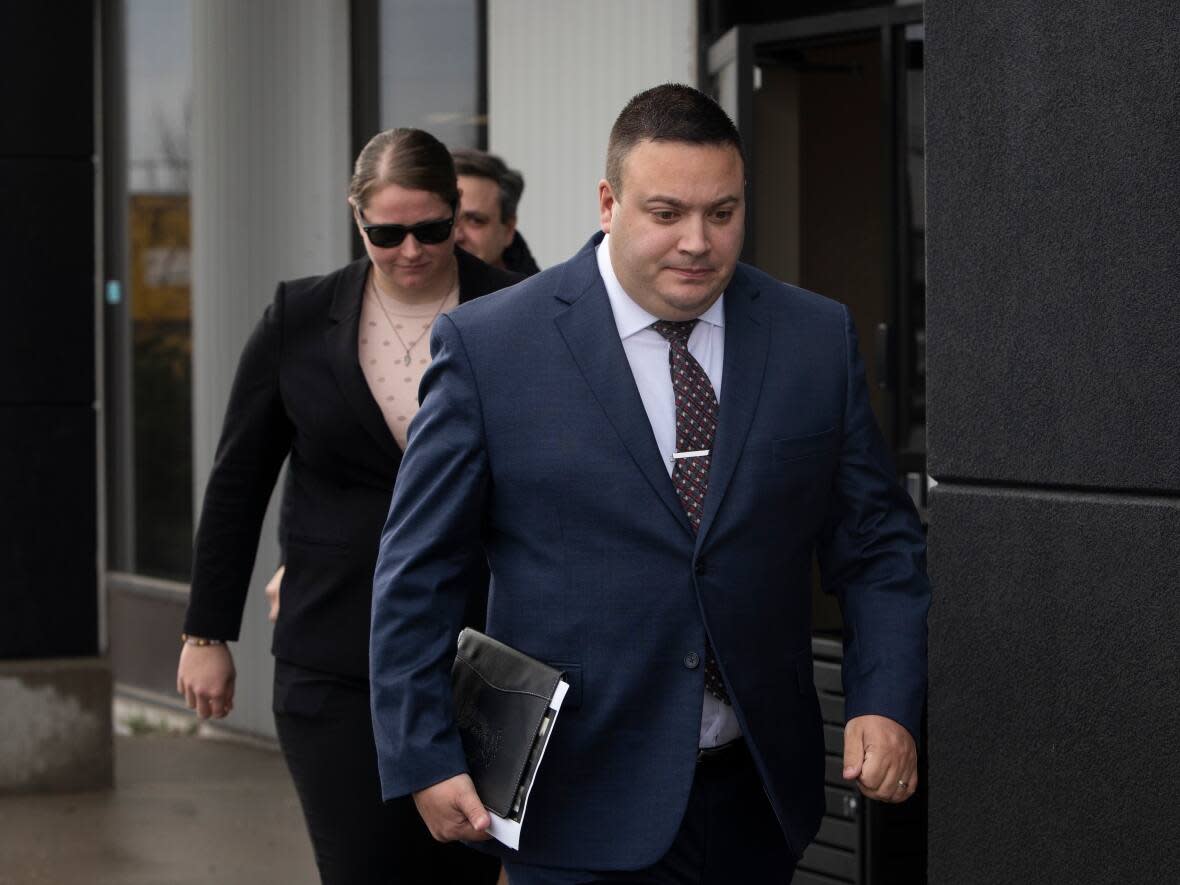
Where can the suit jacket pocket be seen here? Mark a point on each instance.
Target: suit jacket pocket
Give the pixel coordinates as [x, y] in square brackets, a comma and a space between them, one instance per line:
[795, 448]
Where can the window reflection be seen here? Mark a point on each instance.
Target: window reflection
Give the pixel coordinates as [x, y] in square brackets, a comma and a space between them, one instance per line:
[431, 69]
[159, 113]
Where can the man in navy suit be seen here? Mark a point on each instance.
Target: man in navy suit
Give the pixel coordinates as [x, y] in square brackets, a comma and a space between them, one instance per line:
[648, 444]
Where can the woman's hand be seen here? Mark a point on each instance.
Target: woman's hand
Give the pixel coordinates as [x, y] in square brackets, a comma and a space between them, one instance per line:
[205, 677]
[272, 594]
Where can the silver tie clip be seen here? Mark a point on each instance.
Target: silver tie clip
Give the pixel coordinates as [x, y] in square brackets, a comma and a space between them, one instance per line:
[699, 453]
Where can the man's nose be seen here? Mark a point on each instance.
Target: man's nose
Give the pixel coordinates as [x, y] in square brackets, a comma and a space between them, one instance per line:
[694, 236]
[460, 233]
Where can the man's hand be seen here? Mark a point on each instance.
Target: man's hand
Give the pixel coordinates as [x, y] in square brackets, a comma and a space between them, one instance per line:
[272, 594]
[452, 810]
[205, 677]
[879, 754]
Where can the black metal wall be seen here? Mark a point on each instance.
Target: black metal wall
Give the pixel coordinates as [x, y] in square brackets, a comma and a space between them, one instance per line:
[1053, 176]
[48, 521]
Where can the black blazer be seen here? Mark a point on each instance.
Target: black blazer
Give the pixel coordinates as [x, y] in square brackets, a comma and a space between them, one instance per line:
[299, 392]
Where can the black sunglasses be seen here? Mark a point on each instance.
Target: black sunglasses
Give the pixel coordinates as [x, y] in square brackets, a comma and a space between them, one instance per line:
[428, 233]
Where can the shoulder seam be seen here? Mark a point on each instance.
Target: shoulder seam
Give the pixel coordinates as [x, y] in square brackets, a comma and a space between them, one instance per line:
[483, 430]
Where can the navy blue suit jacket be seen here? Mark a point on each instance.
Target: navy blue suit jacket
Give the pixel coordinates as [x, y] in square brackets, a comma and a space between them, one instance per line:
[532, 448]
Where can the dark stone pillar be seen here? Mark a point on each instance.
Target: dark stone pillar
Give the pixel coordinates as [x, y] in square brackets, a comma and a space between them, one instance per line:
[57, 713]
[1054, 361]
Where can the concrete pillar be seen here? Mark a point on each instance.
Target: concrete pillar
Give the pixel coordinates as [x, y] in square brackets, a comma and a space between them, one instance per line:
[55, 693]
[57, 725]
[271, 162]
[558, 75]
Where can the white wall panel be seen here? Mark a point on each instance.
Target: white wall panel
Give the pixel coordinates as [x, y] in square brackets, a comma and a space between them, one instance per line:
[559, 72]
[270, 174]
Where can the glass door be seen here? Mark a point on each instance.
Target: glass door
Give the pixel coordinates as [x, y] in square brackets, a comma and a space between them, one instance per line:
[831, 112]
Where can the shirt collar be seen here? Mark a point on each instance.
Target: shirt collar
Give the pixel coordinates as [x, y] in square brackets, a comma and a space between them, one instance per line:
[629, 316]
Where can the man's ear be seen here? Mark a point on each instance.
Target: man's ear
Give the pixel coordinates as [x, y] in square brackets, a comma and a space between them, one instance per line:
[606, 205]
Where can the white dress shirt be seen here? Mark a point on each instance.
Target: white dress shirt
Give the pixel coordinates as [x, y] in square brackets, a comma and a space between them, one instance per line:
[647, 353]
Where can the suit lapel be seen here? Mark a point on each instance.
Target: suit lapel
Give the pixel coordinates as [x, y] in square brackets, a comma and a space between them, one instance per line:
[341, 337]
[747, 342]
[589, 330]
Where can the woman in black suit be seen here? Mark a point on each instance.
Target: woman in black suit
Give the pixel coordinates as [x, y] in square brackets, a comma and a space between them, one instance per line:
[328, 379]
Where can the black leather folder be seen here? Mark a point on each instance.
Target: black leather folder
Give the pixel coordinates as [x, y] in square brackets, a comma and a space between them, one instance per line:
[502, 700]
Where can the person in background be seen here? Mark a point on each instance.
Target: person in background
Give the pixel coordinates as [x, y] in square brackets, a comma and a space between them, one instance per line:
[487, 211]
[329, 379]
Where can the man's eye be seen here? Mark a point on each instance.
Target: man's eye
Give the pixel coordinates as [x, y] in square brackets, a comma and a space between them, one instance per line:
[723, 215]
[665, 214]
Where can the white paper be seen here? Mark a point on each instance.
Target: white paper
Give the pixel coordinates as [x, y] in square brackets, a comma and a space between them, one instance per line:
[508, 831]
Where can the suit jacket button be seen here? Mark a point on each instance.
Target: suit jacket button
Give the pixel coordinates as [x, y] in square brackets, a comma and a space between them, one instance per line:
[699, 568]
[691, 660]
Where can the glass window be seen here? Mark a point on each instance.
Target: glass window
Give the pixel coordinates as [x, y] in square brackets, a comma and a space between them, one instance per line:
[432, 69]
[154, 534]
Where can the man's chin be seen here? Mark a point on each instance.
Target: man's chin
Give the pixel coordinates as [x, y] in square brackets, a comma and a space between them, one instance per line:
[690, 301]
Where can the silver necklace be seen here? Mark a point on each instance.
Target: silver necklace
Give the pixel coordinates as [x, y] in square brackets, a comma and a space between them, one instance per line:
[408, 348]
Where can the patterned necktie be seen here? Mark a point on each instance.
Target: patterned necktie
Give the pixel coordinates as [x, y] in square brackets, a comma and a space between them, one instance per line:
[696, 424]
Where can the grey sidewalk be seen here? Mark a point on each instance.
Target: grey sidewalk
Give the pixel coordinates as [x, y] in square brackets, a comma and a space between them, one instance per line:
[185, 810]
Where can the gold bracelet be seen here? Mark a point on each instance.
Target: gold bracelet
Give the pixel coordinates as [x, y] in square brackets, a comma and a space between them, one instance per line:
[199, 640]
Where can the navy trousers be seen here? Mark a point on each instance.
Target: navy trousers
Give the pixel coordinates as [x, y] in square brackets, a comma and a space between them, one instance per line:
[729, 834]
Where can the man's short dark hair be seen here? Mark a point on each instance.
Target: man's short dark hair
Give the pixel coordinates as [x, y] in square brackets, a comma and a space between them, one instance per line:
[469, 161]
[672, 112]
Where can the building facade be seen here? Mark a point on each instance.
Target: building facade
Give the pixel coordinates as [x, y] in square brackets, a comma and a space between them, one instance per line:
[990, 187]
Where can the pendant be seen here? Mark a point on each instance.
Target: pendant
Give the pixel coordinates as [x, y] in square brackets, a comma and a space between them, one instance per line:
[407, 359]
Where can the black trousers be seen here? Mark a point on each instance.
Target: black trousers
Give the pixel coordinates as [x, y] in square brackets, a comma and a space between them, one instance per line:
[729, 835]
[326, 734]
